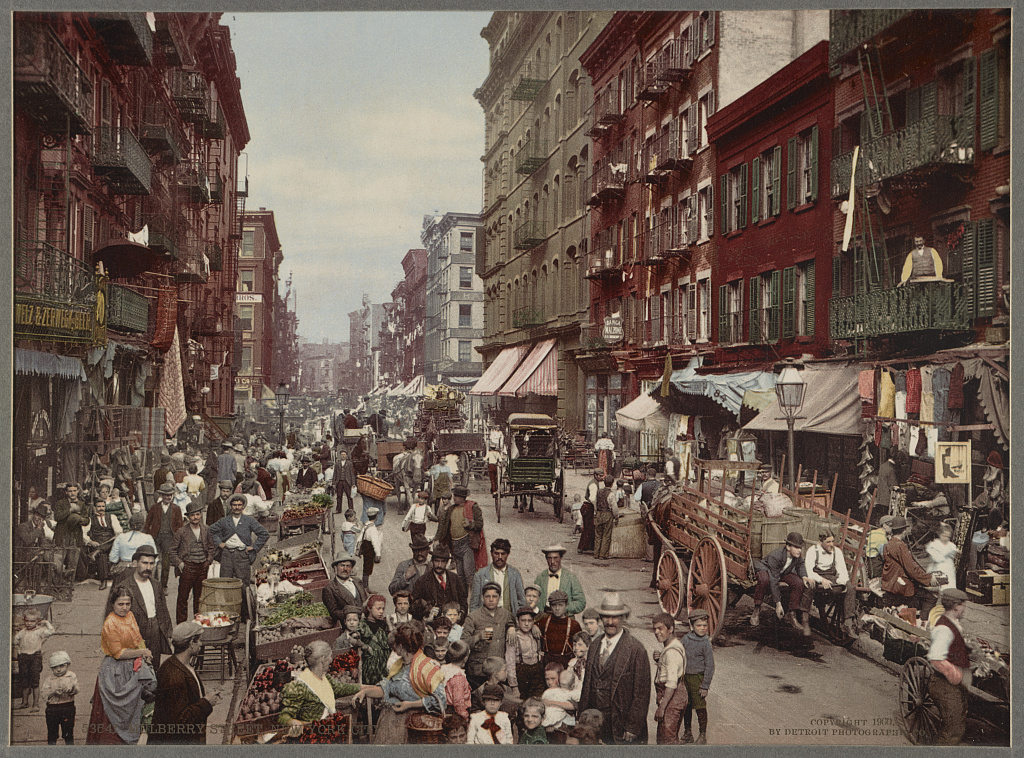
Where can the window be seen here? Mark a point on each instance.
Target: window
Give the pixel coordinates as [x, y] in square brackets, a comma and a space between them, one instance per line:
[683, 124]
[246, 367]
[798, 300]
[734, 199]
[465, 351]
[705, 213]
[764, 307]
[246, 281]
[245, 317]
[704, 308]
[466, 242]
[765, 182]
[248, 243]
[705, 108]
[666, 315]
[703, 33]
[465, 277]
[802, 176]
[465, 315]
[730, 317]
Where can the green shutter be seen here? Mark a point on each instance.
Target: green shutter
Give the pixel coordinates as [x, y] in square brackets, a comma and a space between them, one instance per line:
[755, 190]
[773, 305]
[860, 285]
[929, 112]
[913, 106]
[743, 195]
[711, 209]
[985, 252]
[724, 184]
[814, 163]
[837, 275]
[969, 269]
[965, 135]
[791, 174]
[788, 301]
[989, 95]
[723, 314]
[776, 182]
[755, 313]
[809, 300]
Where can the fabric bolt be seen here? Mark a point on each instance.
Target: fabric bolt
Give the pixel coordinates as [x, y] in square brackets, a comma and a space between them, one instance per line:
[886, 395]
[913, 390]
[927, 398]
[956, 387]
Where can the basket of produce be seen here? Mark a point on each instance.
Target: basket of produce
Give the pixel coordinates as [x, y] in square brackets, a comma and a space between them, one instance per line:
[424, 729]
[372, 487]
[261, 705]
[307, 511]
[335, 729]
[217, 625]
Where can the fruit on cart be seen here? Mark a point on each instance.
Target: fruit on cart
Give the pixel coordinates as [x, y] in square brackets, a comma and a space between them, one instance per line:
[326, 731]
[303, 511]
[213, 619]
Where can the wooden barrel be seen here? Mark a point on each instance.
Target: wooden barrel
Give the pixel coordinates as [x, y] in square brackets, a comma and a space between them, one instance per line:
[221, 595]
[755, 535]
[629, 538]
[774, 531]
[808, 525]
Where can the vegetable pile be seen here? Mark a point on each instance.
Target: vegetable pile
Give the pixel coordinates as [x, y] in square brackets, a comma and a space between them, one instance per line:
[303, 511]
[323, 500]
[264, 696]
[332, 730]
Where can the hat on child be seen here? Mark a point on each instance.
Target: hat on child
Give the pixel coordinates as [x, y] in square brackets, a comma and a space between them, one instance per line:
[492, 692]
[372, 510]
[59, 658]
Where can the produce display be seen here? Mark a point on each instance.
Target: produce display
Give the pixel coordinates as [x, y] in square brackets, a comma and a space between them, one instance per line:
[323, 500]
[264, 695]
[299, 605]
[345, 666]
[307, 510]
[214, 619]
[332, 730]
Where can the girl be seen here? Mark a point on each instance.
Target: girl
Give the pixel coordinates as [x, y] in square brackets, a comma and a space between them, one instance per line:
[942, 554]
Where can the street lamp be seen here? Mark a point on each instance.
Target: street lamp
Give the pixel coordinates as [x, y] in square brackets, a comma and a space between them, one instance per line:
[789, 389]
[281, 396]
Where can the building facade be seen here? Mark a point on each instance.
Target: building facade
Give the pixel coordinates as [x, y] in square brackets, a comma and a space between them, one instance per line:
[256, 306]
[322, 368]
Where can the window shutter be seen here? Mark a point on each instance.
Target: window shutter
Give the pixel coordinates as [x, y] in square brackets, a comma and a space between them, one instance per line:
[755, 190]
[989, 99]
[788, 301]
[965, 134]
[691, 319]
[88, 230]
[655, 301]
[814, 163]
[755, 313]
[837, 140]
[791, 174]
[776, 182]
[711, 29]
[711, 209]
[743, 195]
[809, 300]
[969, 268]
[837, 276]
[913, 107]
[691, 219]
[694, 42]
[985, 251]
[693, 125]
[929, 109]
[773, 306]
[723, 314]
[724, 183]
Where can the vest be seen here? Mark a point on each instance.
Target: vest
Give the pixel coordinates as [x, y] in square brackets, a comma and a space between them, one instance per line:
[604, 680]
[958, 653]
[602, 500]
[165, 518]
[99, 533]
[922, 265]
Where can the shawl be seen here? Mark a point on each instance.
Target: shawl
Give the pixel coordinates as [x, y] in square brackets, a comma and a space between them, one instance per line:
[120, 634]
[424, 674]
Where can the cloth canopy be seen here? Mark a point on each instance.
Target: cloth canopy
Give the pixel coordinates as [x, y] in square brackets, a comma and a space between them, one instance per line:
[831, 404]
[37, 363]
[725, 389]
[538, 373]
[643, 415]
[415, 387]
[499, 371]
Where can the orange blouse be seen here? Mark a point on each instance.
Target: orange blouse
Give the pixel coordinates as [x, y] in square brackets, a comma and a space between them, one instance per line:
[120, 634]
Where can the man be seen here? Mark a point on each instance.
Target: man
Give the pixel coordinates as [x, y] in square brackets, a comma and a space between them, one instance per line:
[410, 570]
[459, 528]
[586, 543]
[505, 576]
[306, 477]
[99, 536]
[557, 630]
[826, 569]
[182, 705]
[240, 539]
[344, 481]
[192, 552]
[903, 578]
[949, 656]
[606, 512]
[326, 454]
[194, 484]
[494, 460]
[161, 474]
[921, 262]
[71, 514]
[617, 681]
[218, 505]
[440, 586]
[783, 566]
[162, 521]
[558, 578]
[149, 606]
[35, 532]
[126, 543]
[874, 546]
[344, 590]
[673, 465]
[227, 464]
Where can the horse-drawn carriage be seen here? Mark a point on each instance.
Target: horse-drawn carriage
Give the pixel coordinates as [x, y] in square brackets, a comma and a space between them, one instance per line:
[534, 466]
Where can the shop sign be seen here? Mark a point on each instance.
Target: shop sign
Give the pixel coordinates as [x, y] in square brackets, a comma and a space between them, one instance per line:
[613, 328]
[241, 381]
[248, 297]
[57, 322]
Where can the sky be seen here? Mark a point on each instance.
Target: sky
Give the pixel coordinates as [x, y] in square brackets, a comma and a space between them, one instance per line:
[361, 124]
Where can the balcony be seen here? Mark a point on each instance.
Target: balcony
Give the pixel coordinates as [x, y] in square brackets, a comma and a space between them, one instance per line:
[531, 156]
[664, 154]
[193, 181]
[848, 29]
[592, 337]
[608, 182]
[126, 36]
[127, 310]
[530, 82]
[526, 317]
[935, 143]
[163, 238]
[216, 257]
[170, 37]
[48, 84]
[121, 160]
[603, 261]
[528, 235]
[194, 269]
[54, 294]
[217, 190]
[160, 134]
[674, 61]
[216, 126]
[652, 85]
[915, 307]
[191, 94]
[607, 112]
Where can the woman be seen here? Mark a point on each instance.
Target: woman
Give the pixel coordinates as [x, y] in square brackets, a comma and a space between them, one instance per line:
[126, 679]
[942, 556]
[373, 630]
[312, 694]
[586, 543]
[414, 683]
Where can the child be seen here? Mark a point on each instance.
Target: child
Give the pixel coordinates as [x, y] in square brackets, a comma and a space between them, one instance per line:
[534, 732]
[578, 664]
[416, 519]
[591, 623]
[349, 531]
[491, 726]
[442, 626]
[577, 516]
[524, 655]
[700, 667]
[28, 644]
[454, 613]
[456, 688]
[591, 719]
[401, 599]
[559, 698]
[350, 638]
[454, 727]
[370, 546]
[58, 693]
[669, 686]
[942, 554]
[532, 593]
[497, 673]
[275, 587]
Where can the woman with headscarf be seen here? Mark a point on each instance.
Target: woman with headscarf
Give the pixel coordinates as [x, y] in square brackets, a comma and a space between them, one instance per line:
[373, 630]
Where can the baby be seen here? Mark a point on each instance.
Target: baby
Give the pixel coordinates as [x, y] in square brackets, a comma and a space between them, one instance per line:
[559, 698]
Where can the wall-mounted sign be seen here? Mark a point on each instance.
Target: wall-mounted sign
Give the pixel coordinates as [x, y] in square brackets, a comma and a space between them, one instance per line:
[248, 297]
[613, 327]
[53, 322]
[953, 462]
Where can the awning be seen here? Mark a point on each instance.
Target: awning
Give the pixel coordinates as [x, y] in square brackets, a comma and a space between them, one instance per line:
[37, 363]
[125, 259]
[538, 374]
[415, 387]
[462, 381]
[831, 404]
[499, 371]
[643, 415]
[725, 389]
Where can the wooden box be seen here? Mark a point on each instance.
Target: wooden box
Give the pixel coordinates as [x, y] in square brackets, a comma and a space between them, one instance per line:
[988, 587]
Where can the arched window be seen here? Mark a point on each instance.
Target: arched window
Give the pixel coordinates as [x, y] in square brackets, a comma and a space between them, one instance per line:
[571, 281]
[556, 291]
[555, 218]
[544, 294]
[581, 175]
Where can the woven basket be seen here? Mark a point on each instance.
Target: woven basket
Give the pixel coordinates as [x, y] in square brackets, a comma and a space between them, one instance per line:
[372, 487]
[424, 729]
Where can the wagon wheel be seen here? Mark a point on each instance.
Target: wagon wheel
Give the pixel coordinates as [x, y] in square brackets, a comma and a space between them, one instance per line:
[831, 612]
[670, 583]
[707, 583]
[919, 715]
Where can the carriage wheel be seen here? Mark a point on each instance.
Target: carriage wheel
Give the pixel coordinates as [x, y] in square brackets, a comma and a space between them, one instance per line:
[832, 620]
[919, 715]
[707, 583]
[670, 583]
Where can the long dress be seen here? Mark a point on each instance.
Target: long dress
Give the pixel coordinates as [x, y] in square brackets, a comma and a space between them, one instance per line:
[942, 558]
[586, 543]
[121, 688]
[399, 686]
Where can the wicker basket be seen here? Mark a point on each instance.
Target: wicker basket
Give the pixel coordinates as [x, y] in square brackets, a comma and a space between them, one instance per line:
[372, 487]
[424, 729]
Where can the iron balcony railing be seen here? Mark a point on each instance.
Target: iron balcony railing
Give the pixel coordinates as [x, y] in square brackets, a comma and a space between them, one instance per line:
[848, 29]
[127, 310]
[126, 36]
[528, 235]
[170, 36]
[607, 108]
[49, 85]
[652, 84]
[608, 181]
[604, 259]
[592, 337]
[674, 61]
[532, 78]
[920, 306]
[191, 93]
[193, 181]
[657, 240]
[934, 140]
[120, 158]
[531, 156]
[163, 236]
[666, 152]
[160, 132]
[43, 271]
[215, 127]
[528, 316]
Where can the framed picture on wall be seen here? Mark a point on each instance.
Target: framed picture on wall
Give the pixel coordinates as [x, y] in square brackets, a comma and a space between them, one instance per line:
[953, 462]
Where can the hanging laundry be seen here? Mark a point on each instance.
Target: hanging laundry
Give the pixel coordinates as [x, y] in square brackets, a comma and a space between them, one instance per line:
[902, 429]
[866, 387]
[940, 391]
[913, 390]
[899, 378]
[886, 395]
[878, 434]
[914, 439]
[932, 435]
[921, 448]
[956, 387]
[927, 398]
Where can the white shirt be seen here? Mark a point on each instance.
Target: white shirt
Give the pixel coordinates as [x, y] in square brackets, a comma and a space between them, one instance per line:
[608, 644]
[817, 558]
[554, 582]
[234, 541]
[350, 586]
[942, 638]
[499, 577]
[477, 735]
[148, 597]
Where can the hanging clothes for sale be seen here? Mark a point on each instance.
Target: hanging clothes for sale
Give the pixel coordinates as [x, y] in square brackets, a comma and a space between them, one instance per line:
[940, 391]
[866, 387]
[886, 395]
[927, 399]
[956, 387]
[915, 432]
[913, 390]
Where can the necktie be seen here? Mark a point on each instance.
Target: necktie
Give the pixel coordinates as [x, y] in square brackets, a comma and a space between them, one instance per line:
[605, 651]
[553, 576]
[444, 583]
[103, 521]
[492, 726]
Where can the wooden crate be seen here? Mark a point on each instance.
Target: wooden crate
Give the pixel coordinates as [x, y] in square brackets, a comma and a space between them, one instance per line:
[272, 651]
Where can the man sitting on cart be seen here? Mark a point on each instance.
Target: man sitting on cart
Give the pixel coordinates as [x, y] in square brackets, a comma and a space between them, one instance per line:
[826, 568]
[904, 581]
[784, 565]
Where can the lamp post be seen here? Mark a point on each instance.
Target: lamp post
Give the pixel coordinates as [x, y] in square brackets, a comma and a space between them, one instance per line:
[789, 389]
[281, 396]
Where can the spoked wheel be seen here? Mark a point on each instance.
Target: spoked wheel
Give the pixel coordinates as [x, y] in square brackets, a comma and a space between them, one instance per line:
[707, 583]
[832, 620]
[919, 715]
[670, 583]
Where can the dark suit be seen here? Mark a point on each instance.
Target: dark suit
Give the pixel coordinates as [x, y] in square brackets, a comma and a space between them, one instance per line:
[428, 588]
[181, 710]
[306, 478]
[344, 478]
[192, 572]
[27, 535]
[237, 563]
[621, 689]
[217, 507]
[155, 631]
[399, 582]
[336, 598]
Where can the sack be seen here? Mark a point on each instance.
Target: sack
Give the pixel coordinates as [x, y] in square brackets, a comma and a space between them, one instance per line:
[214, 571]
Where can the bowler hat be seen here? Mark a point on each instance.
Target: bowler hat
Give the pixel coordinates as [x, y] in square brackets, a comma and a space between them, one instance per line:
[612, 605]
[40, 511]
[186, 631]
[419, 542]
[166, 489]
[898, 524]
[194, 507]
[441, 551]
[795, 539]
[224, 484]
[143, 550]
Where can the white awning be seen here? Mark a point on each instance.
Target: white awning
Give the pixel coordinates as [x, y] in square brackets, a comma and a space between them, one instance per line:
[831, 404]
[499, 371]
[643, 415]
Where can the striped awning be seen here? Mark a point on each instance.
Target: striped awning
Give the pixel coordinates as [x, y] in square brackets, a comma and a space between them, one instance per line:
[499, 371]
[537, 375]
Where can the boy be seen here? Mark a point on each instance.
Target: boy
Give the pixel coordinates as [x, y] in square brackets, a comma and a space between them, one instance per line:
[58, 693]
[28, 645]
[454, 613]
[349, 531]
[577, 516]
[415, 521]
[401, 615]
[578, 665]
[559, 698]
[669, 686]
[491, 726]
[370, 546]
[875, 546]
[456, 688]
[592, 623]
[524, 655]
[442, 626]
[350, 638]
[497, 673]
[485, 632]
[454, 728]
[534, 732]
[700, 667]
[557, 629]
[532, 593]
